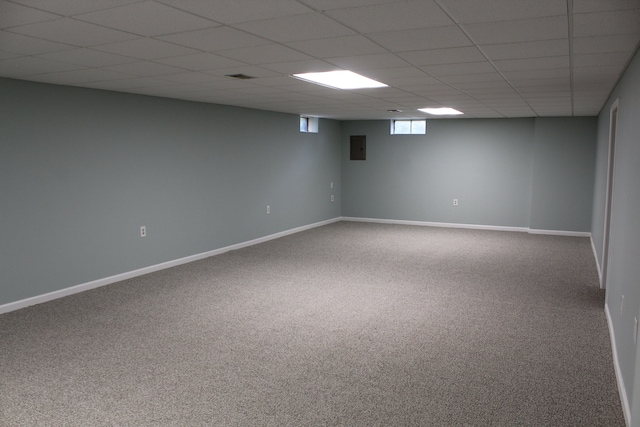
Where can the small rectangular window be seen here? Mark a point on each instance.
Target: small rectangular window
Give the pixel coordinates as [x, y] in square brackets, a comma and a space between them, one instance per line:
[408, 127]
[308, 124]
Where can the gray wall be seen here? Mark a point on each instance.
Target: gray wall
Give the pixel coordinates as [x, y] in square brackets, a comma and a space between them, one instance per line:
[531, 173]
[624, 249]
[562, 179]
[81, 170]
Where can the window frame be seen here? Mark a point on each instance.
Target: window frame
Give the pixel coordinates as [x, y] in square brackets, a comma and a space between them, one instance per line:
[411, 127]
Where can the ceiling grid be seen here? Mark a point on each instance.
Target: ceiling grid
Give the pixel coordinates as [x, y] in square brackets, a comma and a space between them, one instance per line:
[495, 58]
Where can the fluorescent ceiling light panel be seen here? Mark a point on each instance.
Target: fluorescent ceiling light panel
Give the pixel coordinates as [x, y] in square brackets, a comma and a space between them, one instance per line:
[342, 79]
[443, 111]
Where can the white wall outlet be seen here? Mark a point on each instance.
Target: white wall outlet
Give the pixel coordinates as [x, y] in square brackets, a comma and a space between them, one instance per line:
[332, 198]
[268, 209]
[455, 202]
[622, 306]
[143, 231]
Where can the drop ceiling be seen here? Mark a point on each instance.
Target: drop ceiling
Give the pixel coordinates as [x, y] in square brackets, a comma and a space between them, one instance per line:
[489, 58]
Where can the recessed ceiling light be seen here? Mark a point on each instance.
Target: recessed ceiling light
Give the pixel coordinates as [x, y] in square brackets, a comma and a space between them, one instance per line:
[341, 79]
[442, 111]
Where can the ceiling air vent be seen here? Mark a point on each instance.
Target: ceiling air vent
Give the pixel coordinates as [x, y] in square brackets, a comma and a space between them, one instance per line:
[240, 76]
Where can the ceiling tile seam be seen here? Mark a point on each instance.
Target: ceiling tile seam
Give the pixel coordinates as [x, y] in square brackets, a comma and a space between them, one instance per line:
[322, 12]
[570, 35]
[403, 59]
[174, 7]
[72, 15]
[466, 33]
[624, 70]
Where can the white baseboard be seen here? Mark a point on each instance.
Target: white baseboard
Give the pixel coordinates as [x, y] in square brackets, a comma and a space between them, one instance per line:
[626, 409]
[470, 226]
[595, 255]
[12, 306]
[559, 233]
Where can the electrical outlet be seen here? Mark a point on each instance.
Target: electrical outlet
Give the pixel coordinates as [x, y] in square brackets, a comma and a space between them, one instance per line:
[143, 231]
[268, 209]
[455, 202]
[332, 198]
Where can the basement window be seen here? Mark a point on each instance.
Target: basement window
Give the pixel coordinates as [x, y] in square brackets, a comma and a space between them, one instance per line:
[408, 127]
[308, 124]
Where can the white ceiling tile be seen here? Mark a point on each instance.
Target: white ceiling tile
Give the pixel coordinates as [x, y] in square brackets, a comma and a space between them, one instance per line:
[498, 84]
[25, 45]
[537, 49]
[595, 59]
[200, 61]
[493, 93]
[296, 28]
[146, 48]
[527, 42]
[523, 30]
[129, 83]
[606, 73]
[543, 93]
[465, 68]
[468, 11]
[249, 70]
[287, 82]
[8, 55]
[395, 74]
[586, 110]
[14, 15]
[368, 62]
[529, 85]
[536, 103]
[391, 16]
[337, 46]
[519, 112]
[215, 39]
[553, 111]
[421, 39]
[607, 23]
[443, 56]
[191, 77]
[81, 77]
[225, 83]
[532, 63]
[296, 67]
[29, 66]
[417, 85]
[73, 7]
[603, 44]
[231, 12]
[87, 57]
[271, 53]
[73, 32]
[144, 69]
[485, 77]
[147, 19]
[585, 6]
[536, 74]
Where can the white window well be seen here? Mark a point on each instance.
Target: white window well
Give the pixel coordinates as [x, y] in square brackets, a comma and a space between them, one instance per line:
[408, 127]
[308, 124]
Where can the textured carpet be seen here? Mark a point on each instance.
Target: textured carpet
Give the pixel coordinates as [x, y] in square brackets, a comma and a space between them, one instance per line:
[349, 324]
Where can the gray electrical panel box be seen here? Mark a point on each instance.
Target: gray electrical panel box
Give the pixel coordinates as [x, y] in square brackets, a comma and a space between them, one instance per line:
[358, 147]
